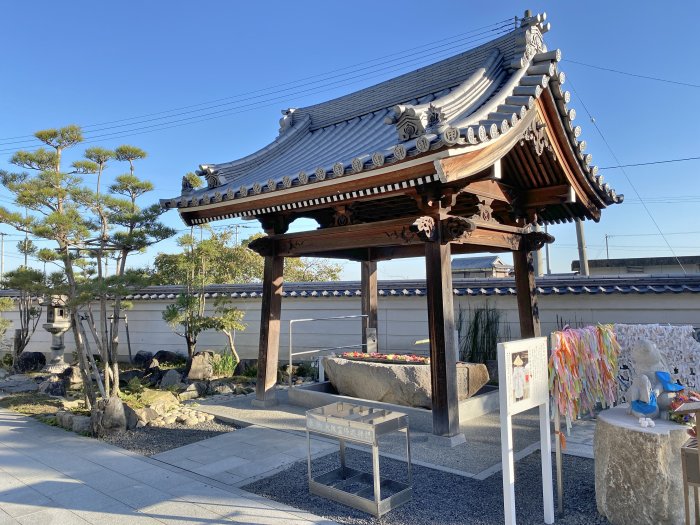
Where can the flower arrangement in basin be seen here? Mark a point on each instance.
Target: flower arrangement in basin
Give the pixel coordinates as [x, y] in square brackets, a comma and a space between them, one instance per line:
[375, 357]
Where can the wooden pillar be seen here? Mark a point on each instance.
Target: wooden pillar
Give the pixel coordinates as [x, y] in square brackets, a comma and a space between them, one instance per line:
[268, 353]
[441, 325]
[369, 298]
[528, 310]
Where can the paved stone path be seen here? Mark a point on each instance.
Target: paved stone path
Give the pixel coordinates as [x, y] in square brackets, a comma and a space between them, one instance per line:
[241, 457]
[48, 475]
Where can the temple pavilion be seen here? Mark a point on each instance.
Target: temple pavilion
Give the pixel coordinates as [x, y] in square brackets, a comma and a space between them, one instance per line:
[467, 155]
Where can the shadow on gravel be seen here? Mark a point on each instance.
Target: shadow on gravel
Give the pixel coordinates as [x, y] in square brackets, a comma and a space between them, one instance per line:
[440, 497]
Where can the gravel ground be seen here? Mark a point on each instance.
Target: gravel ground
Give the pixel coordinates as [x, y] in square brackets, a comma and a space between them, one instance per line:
[440, 497]
[148, 441]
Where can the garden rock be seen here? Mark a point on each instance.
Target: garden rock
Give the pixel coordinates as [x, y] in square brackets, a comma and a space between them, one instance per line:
[170, 378]
[166, 356]
[109, 417]
[64, 419]
[142, 358]
[18, 383]
[53, 386]
[400, 384]
[191, 392]
[202, 366]
[30, 362]
[131, 416]
[81, 425]
[128, 375]
[223, 389]
[72, 378]
[3, 373]
[161, 401]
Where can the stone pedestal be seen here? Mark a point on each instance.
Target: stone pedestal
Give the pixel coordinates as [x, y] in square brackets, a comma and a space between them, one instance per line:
[57, 365]
[638, 476]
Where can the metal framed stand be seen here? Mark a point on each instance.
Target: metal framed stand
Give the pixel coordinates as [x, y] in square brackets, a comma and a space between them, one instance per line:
[369, 492]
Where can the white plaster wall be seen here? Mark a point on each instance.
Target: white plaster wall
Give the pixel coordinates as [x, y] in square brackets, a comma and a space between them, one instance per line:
[402, 320]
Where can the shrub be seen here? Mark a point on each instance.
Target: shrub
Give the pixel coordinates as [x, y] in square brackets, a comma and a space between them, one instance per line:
[251, 371]
[225, 365]
[134, 386]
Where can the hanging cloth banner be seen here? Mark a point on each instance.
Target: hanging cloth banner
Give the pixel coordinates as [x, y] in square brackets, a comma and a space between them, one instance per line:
[583, 369]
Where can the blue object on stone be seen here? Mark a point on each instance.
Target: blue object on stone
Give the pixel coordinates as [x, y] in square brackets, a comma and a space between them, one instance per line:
[645, 408]
[667, 382]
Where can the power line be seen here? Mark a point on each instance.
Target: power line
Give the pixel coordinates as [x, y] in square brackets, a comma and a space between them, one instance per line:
[666, 161]
[636, 75]
[629, 181]
[376, 70]
[501, 23]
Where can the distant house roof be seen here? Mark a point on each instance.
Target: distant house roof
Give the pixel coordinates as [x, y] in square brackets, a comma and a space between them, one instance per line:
[478, 263]
[466, 101]
[637, 261]
[548, 285]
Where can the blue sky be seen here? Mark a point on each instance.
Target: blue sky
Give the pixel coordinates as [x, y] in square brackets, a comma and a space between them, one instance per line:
[100, 62]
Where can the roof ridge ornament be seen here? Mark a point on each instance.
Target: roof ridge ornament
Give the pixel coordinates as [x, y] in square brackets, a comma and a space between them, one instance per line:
[287, 120]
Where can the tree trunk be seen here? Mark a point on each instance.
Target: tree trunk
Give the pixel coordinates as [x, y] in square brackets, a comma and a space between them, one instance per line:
[229, 335]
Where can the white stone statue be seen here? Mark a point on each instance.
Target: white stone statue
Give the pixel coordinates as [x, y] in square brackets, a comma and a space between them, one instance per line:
[652, 389]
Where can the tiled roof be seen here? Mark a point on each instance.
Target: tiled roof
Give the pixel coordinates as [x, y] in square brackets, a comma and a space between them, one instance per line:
[478, 263]
[568, 285]
[468, 99]
[638, 261]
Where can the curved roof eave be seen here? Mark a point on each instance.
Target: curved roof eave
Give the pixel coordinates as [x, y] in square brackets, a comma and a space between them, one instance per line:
[483, 107]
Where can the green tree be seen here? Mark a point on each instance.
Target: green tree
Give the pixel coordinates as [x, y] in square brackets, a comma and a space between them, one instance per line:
[233, 264]
[58, 216]
[31, 287]
[228, 320]
[89, 227]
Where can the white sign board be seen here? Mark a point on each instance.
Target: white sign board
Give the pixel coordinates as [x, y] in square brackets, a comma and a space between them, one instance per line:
[523, 384]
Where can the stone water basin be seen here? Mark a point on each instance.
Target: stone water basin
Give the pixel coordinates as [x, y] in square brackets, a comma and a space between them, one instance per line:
[398, 383]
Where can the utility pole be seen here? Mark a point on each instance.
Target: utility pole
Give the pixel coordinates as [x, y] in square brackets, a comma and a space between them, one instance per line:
[537, 259]
[546, 253]
[582, 255]
[607, 250]
[235, 233]
[2, 255]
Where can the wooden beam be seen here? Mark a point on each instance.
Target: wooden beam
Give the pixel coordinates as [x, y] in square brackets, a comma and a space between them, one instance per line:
[386, 239]
[546, 196]
[525, 288]
[369, 299]
[268, 352]
[443, 359]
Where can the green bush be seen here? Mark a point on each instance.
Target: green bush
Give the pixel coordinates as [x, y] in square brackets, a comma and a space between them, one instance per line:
[483, 334]
[251, 371]
[225, 365]
[134, 386]
[6, 360]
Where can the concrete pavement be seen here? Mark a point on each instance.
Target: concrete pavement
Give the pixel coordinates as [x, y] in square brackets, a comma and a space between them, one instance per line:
[48, 475]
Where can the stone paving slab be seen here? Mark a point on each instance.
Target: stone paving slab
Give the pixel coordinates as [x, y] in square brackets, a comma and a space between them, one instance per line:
[48, 475]
[479, 457]
[240, 457]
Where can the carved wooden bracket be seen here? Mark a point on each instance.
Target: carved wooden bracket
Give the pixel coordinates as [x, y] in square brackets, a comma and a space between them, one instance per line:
[485, 211]
[534, 241]
[425, 228]
[453, 228]
[536, 135]
[274, 224]
[343, 216]
[262, 246]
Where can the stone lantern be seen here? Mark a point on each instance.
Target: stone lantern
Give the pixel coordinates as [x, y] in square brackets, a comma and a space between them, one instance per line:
[57, 324]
